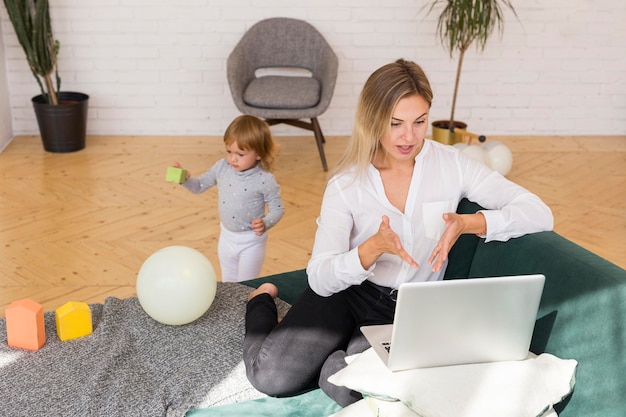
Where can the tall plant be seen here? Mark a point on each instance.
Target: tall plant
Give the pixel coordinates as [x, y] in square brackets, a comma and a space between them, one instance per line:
[31, 22]
[463, 22]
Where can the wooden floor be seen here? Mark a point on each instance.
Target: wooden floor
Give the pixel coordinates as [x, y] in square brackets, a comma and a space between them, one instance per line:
[78, 226]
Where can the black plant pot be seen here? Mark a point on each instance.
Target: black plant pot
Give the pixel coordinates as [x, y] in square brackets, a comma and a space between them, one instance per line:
[63, 128]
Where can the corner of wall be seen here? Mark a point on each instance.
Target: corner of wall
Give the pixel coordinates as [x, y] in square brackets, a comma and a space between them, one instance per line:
[6, 126]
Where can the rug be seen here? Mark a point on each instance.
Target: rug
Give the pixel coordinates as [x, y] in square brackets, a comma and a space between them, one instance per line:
[132, 365]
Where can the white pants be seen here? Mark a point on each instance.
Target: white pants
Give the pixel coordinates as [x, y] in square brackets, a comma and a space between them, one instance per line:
[241, 254]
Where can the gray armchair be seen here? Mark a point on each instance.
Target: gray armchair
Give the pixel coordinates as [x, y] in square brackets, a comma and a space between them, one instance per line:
[280, 97]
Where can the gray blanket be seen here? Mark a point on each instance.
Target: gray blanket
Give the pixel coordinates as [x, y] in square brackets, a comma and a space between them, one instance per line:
[132, 365]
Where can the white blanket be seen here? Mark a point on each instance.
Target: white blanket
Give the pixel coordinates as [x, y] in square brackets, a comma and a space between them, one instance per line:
[527, 388]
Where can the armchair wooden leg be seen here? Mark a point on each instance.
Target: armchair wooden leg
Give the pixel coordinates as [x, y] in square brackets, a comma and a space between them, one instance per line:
[313, 126]
[319, 139]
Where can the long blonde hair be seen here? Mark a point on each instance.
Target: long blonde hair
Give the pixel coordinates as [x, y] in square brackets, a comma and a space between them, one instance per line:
[253, 134]
[381, 93]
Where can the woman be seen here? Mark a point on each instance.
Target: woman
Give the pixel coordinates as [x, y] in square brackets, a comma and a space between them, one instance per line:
[387, 217]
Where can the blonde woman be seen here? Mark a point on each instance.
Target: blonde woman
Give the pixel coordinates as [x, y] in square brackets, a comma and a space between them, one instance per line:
[387, 217]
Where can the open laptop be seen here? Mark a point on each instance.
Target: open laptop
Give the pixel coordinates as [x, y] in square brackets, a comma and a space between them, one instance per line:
[452, 322]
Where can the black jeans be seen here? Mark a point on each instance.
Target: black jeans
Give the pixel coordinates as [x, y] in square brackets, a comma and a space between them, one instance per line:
[312, 340]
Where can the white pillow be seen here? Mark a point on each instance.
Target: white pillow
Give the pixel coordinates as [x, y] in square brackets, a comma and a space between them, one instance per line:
[527, 388]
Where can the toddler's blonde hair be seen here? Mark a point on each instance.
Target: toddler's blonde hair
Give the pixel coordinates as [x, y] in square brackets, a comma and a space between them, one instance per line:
[253, 134]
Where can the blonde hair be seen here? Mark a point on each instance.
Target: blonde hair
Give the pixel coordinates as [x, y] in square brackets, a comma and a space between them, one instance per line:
[381, 93]
[253, 134]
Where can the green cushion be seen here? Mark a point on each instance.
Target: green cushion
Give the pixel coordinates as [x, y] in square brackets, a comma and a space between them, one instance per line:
[290, 284]
[460, 257]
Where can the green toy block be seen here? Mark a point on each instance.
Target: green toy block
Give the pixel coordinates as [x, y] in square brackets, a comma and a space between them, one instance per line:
[177, 175]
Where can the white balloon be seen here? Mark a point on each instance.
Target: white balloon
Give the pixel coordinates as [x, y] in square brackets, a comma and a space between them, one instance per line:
[176, 285]
[476, 152]
[499, 155]
[460, 145]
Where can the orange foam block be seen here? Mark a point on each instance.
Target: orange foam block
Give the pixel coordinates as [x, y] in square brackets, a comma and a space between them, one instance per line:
[73, 320]
[25, 324]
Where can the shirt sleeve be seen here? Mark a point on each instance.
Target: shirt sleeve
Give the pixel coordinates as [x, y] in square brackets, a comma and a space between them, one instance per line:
[275, 206]
[205, 181]
[334, 266]
[511, 210]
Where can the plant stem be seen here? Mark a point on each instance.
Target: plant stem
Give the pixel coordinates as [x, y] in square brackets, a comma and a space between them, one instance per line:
[52, 97]
[456, 84]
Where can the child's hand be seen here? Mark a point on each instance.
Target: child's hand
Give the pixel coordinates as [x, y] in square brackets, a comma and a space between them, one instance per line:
[187, 174]
[258, 226]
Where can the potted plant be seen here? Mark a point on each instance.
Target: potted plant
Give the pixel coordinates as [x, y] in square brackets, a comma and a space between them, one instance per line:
[61, 116]
[461, 23]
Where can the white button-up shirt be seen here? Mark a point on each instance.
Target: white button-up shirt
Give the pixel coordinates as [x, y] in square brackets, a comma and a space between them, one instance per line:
[352, 209]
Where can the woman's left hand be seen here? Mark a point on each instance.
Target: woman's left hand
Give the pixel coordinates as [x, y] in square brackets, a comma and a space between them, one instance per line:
[454, 229]
[456, 225]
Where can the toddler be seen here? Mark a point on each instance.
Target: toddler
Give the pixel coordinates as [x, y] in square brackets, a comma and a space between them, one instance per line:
[246, 187]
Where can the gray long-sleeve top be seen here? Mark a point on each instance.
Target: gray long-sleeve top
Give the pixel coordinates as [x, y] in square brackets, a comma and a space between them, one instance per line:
[242, 195]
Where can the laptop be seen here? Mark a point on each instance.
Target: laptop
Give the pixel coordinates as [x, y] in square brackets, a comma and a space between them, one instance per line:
[462, 321]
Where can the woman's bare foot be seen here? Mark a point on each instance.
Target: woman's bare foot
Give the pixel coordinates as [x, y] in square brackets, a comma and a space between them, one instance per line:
[263, 289]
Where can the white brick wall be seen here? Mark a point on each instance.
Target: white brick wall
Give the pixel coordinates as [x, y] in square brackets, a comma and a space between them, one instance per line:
[157, 67]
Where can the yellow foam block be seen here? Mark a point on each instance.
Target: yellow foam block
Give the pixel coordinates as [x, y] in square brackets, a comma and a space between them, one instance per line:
[73, 320]
[25, 324]
[177, 175]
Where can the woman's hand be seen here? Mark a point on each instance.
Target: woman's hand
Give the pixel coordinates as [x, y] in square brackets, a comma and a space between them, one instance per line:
[384, 241]
[454, 229]
[456, 225]
[258, 226]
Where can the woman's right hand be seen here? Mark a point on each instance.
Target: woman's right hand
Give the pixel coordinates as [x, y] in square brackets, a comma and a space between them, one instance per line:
[384, 241]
